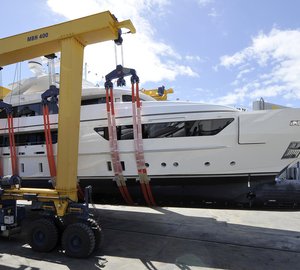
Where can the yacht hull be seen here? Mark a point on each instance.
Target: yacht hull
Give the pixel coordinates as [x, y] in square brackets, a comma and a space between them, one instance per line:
[190, 191]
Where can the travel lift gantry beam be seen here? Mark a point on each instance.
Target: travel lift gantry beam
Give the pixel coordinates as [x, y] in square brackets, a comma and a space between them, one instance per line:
[80, 234]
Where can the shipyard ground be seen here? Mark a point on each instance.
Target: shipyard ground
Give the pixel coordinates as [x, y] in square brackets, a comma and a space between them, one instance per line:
[175, 238]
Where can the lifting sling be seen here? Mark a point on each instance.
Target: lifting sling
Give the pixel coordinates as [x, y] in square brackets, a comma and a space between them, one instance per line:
[138, 142]
[119, 73]
[113, 143]
[52, 93]
[11, 136]
[12, 144]
[48, 140]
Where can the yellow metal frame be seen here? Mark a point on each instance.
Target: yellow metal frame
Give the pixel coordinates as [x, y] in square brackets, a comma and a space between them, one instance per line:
[4, 91]
[69, 38]
[154, 93]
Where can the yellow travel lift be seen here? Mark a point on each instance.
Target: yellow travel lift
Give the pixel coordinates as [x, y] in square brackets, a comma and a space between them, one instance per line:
[61, 217]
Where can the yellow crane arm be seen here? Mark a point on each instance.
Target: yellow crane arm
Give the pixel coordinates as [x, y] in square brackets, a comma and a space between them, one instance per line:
[4, 91]
[88, 30]
[155, 93]
[69, 38]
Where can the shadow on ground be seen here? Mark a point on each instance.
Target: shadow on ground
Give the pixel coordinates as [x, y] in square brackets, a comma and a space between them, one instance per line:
[167, 239]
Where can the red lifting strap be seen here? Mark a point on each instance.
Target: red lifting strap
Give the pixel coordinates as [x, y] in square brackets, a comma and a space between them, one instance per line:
[12, 144]
[49, 148]
[48, 139]
[113, 143]
[139, 150]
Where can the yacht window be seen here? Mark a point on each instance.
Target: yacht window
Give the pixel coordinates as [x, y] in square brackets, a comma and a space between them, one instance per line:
[30, 110]
[125, 132]
[164, 130]
[126, 98]
[293, 151]
[186, 129]
[209, 127]
[102, 131]
[93, 101]
[32, 138]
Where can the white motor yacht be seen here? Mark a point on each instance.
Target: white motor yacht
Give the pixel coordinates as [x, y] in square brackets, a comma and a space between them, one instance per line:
[194, 152]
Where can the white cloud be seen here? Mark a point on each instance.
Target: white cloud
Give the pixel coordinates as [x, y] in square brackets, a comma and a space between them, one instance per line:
[196, 58]
[213, 13]
[203, 3]
[243, 72]
[275, 57]
[154, 60]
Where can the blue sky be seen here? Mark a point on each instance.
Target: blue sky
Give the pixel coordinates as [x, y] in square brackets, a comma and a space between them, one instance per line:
[218, 51]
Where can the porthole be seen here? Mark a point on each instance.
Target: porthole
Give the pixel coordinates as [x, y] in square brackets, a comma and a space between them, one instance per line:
[232, 163]
[41, 167]
[22, 167]
[175, 164]
[163, 164]
[147, 165]
[109, 167]
[207, 163]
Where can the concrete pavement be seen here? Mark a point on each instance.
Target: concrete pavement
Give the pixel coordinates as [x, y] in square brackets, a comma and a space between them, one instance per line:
[175, 238]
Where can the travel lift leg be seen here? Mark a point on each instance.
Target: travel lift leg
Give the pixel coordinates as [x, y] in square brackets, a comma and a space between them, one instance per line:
[80, 233]
[51, 96]
[119, 73]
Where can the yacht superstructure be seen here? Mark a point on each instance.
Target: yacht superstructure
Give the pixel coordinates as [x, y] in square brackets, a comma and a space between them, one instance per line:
[193, 151]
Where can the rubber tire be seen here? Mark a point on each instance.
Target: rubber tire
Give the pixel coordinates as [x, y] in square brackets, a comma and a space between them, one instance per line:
[97, 232]
[78, 240]
[43, 235]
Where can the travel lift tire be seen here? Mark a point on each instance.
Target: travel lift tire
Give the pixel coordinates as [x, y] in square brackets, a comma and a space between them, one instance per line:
[78, 240]
[43, 235]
